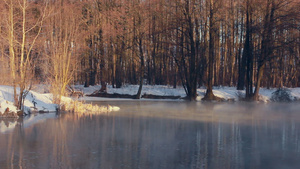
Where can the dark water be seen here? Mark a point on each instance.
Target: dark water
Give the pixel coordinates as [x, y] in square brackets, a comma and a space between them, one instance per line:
[167, 135]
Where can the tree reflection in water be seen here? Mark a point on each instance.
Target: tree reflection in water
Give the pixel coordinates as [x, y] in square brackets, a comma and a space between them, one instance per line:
[160, 135]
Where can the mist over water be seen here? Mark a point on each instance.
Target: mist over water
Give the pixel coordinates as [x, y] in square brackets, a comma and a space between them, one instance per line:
[160, 135]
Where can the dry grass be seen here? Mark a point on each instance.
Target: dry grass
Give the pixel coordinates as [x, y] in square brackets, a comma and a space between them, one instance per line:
[88, 109]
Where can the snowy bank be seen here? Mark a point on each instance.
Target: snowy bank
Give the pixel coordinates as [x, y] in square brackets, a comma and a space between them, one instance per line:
[227, 93]
[38, 102]
[33, 102]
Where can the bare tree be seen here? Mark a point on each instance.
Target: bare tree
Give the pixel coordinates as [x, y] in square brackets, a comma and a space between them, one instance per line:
[23, 27]
[214, 7]
[63, 45]
[277, 15]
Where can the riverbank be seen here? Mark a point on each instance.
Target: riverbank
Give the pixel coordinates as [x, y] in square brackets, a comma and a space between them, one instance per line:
[36, 102]
[227, 93]
[39, 100]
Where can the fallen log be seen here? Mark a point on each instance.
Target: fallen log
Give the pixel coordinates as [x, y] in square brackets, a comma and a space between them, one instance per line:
[151, 96]
[113, 95]
[128, 96]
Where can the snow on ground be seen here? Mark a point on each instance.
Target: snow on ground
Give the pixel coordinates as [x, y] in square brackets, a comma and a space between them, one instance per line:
[35, 101]
[222, 92]
[32, 101]
[43, 102]
[6, 99]
[132, 89]
[295, 92]
[228, 93]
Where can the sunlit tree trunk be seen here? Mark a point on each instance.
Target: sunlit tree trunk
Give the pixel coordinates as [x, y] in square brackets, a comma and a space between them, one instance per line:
[63, 58]
[12, 51]
[21, 42]
[209, 93]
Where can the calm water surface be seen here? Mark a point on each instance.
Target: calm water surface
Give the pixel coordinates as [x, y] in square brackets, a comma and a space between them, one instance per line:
[158, 135]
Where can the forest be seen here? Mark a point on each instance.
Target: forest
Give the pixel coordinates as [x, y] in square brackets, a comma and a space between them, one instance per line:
[191, 43]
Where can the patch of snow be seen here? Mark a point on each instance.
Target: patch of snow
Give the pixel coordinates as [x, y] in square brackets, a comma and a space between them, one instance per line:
[87, 90]
[132, 90]
[114, 108]
[295, 92]
[41, 88]
[227, 93]
[35, 101]
[6, 99]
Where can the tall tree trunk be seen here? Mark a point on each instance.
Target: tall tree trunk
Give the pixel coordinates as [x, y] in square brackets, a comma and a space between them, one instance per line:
[257, 85]
[248, 53]
[138, 95]
[192, 95]
[266, 45]
[12, 56]
[113, 68]
[241, 64]
[209, 93]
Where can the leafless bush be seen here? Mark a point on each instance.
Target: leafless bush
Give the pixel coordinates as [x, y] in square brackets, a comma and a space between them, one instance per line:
[282, 95]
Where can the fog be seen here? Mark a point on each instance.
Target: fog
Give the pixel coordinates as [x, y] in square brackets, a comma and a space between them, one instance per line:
[160, 135]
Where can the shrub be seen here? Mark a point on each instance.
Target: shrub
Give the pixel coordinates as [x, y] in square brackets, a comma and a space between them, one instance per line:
[282, 95]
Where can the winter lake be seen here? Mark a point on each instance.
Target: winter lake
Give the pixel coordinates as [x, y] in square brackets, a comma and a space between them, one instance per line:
[157, 135]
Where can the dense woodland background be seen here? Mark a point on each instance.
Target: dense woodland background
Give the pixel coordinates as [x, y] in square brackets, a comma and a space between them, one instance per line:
[191, 43]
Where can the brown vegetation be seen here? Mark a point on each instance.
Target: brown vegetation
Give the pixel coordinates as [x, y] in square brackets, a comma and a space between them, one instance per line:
[243, 43]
